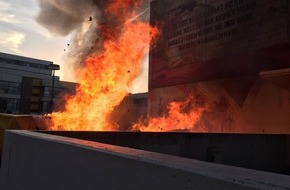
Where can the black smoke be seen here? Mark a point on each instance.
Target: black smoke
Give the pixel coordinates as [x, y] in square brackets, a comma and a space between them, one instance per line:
[84, 20]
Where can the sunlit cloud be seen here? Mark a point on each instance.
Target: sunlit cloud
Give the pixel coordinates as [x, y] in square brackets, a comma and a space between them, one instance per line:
[21, 17]
[4, 6]
[140, 84]
[11, 40]
[6, 15]
[9, 18]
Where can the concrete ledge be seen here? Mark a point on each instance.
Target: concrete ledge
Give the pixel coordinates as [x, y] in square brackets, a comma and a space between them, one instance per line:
[265, 152]
[35, 161]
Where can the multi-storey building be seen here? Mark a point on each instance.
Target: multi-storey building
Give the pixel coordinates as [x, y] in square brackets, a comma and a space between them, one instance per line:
[26, 85]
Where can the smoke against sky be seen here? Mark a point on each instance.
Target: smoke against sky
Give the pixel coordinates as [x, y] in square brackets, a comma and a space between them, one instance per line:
[63, 17]
[22, 34]
[84, 20]
[71, 17]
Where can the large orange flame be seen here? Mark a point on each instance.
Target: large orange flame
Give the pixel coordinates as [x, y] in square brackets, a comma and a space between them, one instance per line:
[108, 74]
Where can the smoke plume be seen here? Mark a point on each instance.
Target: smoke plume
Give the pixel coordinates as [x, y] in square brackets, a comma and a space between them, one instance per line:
[86, 21]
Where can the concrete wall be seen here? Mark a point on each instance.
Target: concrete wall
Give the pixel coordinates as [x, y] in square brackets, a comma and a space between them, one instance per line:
[40, 161]
[254, 151]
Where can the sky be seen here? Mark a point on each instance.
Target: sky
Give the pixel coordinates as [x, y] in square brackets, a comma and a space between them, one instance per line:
[21, 35]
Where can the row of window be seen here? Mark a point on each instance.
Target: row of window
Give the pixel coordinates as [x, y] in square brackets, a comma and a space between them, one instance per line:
[9, 105]
[56, 91]
[23, 63]
[9, 87]
[14, 88]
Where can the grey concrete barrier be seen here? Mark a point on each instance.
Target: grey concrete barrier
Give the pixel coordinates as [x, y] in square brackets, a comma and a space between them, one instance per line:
[265, 152]
[34, 161]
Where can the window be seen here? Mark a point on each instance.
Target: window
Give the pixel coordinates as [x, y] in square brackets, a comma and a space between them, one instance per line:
[24, 63]
[47, 91]
[9, 87]
[9, 105]
[46, 106]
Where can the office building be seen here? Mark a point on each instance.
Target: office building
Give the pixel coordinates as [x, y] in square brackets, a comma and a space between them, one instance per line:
[26, 85]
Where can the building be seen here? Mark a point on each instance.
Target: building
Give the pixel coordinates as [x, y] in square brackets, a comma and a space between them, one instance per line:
[231, 57]
[26, 85]
[130, 110]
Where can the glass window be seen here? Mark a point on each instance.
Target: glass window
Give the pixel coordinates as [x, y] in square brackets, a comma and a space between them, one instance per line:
[23, 63]
[35, 91]
[35, 99]
[9, 87]
[46, 106]
[47, 91]
[36, 82]
[9, 105]
[34, 107]
[3, 105]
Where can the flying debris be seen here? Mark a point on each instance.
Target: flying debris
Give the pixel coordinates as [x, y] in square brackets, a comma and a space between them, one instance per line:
[67, 44]
[102, 74]
[63, 49]
[128, 71]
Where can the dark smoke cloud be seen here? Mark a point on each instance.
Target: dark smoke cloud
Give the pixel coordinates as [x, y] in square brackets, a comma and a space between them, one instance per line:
[63, 17]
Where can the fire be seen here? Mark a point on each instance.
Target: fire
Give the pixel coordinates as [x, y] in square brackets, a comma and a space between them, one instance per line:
[108, 74]
[182, 116]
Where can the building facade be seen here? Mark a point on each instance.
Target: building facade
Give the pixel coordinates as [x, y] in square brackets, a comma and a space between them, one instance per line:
[228, 57]
[26, 85]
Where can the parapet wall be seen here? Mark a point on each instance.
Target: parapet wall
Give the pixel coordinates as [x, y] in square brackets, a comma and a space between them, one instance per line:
[42, 161]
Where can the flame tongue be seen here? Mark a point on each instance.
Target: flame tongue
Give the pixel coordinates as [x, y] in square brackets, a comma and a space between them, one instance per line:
[181, 116]
[107, 75]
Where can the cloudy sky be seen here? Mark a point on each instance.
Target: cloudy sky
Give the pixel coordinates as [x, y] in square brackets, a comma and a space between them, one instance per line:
[21, 35]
